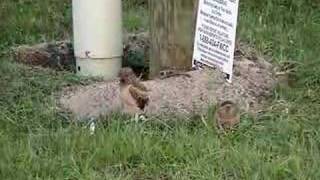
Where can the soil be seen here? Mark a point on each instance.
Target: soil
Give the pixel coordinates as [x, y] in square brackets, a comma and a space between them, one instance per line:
[252, 85]
[56, 55]
[59, 55]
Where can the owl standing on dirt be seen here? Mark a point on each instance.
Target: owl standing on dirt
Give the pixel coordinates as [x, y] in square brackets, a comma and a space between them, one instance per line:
[227, 115]
[133, 94]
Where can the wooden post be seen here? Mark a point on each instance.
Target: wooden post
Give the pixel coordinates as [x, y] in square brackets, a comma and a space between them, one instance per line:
[172, 24]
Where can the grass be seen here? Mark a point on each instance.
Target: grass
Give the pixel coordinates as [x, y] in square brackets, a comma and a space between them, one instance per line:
[37, 143]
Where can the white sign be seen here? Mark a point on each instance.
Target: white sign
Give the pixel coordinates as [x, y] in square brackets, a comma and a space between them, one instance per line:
[215, 34]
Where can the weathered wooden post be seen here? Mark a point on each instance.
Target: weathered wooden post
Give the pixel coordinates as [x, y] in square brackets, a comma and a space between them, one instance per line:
[172, 24]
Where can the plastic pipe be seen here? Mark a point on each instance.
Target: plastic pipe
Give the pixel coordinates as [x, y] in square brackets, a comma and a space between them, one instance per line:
[97, 33]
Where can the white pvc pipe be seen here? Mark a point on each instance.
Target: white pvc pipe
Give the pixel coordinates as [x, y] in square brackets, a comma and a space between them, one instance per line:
[97, 31]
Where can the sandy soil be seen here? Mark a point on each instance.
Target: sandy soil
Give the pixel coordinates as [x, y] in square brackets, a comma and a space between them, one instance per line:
[253, 83]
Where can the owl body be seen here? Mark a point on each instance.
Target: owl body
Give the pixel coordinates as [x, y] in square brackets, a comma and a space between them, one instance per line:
[133, 93]
[227, 115]
[129, 104]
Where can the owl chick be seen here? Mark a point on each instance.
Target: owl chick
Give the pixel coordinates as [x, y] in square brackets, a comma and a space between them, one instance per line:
[133, 94]
[227, 115]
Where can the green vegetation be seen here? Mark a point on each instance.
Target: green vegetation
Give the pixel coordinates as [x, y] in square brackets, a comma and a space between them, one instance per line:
[37, 143]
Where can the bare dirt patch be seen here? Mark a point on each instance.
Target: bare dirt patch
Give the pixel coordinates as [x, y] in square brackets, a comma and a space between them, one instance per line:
[253, 83]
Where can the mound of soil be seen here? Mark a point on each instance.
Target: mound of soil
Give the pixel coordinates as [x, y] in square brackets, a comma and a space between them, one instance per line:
[253, 83]
[56, 55]
[59, 55]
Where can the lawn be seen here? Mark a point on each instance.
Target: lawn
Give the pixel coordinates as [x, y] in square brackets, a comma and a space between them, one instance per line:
[37, 142]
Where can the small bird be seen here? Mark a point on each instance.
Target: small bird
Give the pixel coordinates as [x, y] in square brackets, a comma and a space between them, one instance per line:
[227, 115]
[133, 94]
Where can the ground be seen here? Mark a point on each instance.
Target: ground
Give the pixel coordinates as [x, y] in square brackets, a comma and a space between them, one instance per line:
[182, 96]
[38, 143]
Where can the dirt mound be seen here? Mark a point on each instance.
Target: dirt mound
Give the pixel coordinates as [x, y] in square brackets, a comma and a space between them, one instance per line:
[56, 55]
[59, 55]
[253, 83]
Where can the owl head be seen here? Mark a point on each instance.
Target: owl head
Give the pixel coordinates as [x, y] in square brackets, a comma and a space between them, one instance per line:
[127, 75]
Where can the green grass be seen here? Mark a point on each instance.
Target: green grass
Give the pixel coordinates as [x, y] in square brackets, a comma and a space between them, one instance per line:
[37, 143]
[27, 21]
